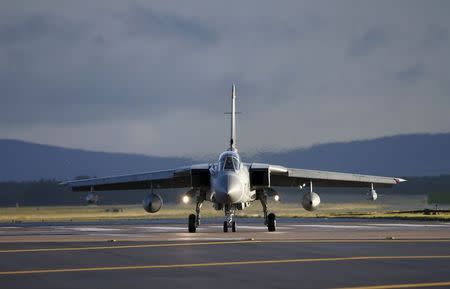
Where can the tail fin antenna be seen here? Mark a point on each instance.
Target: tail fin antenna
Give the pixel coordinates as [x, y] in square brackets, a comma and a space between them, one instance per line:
[233, 119]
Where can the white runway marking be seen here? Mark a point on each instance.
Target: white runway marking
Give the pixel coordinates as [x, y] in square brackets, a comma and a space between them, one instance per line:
[338, 226]
[123, 235]
[445, 225]
[248, 227]
[91, 229]
[165, 228]
[261, 227]
[375, 226]
[207, 239]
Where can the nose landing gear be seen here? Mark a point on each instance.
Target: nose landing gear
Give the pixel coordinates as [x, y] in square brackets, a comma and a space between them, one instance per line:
[226, 225]
[229, 223]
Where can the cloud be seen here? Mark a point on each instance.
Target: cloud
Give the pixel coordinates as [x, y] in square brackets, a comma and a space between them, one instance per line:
[371, 39]
[155, 77]
[145, 22]
[37, 27]
[436, 36]
[411, 74]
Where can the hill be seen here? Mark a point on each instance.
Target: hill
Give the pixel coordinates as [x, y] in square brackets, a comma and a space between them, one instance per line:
[403, 155]
[29, 161]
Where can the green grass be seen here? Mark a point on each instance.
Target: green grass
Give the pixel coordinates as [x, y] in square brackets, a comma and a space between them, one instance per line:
[93, 213]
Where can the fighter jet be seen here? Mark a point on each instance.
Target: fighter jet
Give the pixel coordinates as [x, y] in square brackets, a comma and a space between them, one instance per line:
[231, 184]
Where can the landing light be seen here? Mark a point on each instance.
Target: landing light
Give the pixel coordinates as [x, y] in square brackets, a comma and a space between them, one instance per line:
[186, 199]
[276, 198]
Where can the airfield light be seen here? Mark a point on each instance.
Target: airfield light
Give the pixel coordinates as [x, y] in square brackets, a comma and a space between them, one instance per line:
[186, 199]
[276, 198]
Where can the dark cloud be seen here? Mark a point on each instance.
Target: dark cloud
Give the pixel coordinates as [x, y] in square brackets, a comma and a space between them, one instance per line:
[37, 27]
[146, 22]
[140, 76]
[55, 62]
[371, 39]
[412, 73]
[436, 36]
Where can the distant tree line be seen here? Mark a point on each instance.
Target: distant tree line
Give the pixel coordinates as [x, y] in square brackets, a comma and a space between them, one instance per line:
[50, 192]
[40, 192]
[424, 185]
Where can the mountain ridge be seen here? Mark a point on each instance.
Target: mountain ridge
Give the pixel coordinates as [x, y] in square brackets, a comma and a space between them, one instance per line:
[400, 155]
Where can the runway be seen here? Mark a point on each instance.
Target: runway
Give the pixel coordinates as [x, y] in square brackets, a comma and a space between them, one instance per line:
[303, 253]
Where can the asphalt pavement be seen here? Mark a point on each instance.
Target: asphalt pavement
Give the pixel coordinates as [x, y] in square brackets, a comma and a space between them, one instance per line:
[302, 253]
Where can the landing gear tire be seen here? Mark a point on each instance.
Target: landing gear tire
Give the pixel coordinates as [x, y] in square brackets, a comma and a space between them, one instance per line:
[225, 227]
[233, 226]
[192, 227]
[271, 222]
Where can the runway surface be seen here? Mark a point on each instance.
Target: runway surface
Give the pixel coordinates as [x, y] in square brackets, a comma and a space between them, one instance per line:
[303, 253]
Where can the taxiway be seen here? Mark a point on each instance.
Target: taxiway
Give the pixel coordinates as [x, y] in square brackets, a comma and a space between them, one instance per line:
[303, 253]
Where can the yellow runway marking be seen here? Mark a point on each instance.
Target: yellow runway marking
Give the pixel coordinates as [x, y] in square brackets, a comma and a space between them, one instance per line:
[216, 264]
[221, 243]
[124, 246]
[392, 241]
[411, 285]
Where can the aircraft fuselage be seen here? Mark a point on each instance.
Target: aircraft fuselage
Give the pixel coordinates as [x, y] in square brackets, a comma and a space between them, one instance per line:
[230, 180]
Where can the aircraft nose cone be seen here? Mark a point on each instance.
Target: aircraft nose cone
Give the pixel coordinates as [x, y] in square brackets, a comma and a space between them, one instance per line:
[228, 189]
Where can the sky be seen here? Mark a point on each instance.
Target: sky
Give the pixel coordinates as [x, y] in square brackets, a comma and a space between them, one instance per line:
[154, 77]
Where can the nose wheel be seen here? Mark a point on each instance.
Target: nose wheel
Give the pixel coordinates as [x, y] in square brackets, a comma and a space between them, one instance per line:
[226, 226]
[229, 223]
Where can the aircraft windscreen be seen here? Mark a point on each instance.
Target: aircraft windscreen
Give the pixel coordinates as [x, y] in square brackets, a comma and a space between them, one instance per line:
[230, 163]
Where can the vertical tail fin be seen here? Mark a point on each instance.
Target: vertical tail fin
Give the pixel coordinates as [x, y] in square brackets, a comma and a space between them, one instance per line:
[233, 118]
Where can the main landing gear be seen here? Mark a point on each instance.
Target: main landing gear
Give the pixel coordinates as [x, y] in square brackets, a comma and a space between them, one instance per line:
[269, 219]
[194, 219]
[271, 222]
[192, 226]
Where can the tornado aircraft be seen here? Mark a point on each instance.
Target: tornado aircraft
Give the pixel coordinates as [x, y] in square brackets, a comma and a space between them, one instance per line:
[231, 184]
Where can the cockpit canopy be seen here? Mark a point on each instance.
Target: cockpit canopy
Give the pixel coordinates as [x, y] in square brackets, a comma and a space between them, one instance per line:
[229, 161]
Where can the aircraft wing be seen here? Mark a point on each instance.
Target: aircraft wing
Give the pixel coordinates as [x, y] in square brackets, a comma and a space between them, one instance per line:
[183, 177]
[266, 175]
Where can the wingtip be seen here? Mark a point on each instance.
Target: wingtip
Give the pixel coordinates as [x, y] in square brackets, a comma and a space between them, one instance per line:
[399, 180]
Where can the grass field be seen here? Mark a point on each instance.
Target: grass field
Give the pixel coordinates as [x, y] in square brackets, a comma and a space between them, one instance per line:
[92, 213]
